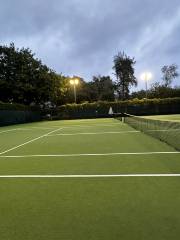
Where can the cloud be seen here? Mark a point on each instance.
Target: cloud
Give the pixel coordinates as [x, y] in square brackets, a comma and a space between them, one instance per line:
[81, 37]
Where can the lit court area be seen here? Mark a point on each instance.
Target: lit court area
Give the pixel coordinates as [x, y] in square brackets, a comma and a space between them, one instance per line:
[172, 117]
[88, 179]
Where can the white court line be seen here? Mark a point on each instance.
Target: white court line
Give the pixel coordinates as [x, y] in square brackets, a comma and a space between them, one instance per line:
[43, 128]
[24, 129]
[100, 133]
[88, 133]
[94, 175]
[163, 130]
[10, 130]
[54, 126]
[87, 154]
[90, 126]
[95, 120]
[92, 133]
[44, 135]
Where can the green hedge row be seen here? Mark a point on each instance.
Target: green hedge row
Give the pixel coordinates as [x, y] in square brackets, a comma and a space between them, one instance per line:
[9, 117]
[17, 106]
[135, 106]
[17, 113]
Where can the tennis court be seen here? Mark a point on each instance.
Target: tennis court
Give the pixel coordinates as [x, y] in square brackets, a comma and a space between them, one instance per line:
[172, 117]
[87, 179]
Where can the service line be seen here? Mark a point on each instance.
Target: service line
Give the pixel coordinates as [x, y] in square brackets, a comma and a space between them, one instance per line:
[94, 176]
[86, 154]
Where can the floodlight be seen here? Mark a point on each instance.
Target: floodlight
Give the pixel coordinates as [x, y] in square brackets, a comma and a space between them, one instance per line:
[76, 81]
[71, 81]
[146, 76]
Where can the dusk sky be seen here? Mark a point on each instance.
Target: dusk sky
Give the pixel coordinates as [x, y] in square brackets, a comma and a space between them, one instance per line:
[80, 37]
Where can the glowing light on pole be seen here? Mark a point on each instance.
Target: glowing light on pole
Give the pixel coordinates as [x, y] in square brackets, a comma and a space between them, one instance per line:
[74, 82]
[146, 76]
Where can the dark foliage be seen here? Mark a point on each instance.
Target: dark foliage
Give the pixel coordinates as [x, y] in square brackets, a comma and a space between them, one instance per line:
[124, 71]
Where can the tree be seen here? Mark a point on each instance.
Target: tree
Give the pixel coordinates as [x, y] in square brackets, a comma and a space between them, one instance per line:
[124, 71]
[83, 93]
[8, 57]
[101, 88]
[24, 79]
[169, 73]
[158, 90]
[66, 93]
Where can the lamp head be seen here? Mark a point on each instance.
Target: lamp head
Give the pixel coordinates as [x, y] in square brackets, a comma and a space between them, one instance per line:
[72, 82]
[146, 76]
[76, 81]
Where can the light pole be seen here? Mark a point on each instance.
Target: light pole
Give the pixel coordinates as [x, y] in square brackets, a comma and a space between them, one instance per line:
[74, 82]
[146, 76]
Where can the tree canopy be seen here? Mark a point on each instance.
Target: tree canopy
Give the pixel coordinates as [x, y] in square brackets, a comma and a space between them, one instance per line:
[169, 73]
[124, 71]
[101, 88]
[25, 79]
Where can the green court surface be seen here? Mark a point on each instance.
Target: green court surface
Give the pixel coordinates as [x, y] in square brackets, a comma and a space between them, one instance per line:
[87, 179]
[172, 117]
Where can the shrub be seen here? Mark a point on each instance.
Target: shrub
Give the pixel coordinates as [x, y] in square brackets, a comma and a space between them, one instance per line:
[135, 106]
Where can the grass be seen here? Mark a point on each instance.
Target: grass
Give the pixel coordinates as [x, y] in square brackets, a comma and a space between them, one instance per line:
[87, 208]
[173, 117]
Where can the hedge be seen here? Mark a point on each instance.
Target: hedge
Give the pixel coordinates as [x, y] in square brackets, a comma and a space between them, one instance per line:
[17, 113]
[17, 106]
[135, 106]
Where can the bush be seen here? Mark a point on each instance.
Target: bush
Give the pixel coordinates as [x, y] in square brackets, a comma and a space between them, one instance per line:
[135, 106]
[17, 107]
[17, 113]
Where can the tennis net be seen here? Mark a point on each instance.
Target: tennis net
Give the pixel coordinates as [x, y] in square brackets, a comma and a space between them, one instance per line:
[166, 131]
